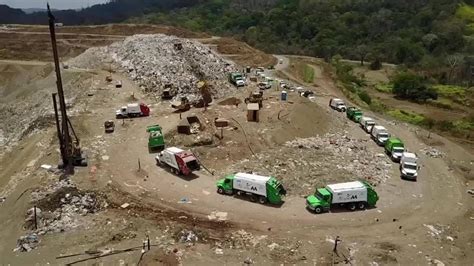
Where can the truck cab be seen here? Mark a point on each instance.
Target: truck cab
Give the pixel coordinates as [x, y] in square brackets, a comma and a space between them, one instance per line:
[379, 134]
[394, 147]
[337, 104]
[408, 166]
[319, 201]
[354, 113]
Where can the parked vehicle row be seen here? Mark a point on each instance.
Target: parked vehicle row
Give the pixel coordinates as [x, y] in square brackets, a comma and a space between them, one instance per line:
[393, 146]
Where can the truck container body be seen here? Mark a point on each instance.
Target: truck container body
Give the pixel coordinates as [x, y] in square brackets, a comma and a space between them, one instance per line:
[354, 195]
[133, 110]
[354, 113]
[180, 161]
[337, 104]
[261, 188]
[394, 147]
[156, 140]
[379, 134]
[409, 166]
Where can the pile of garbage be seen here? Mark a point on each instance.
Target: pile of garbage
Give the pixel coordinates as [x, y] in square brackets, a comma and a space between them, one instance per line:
[60, 205]
[432, 152]
[156, 60]
[242, 239]
[302, 164]
[27, 243]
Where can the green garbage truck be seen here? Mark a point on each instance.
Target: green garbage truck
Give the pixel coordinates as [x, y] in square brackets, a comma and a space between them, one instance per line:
[236, 79]
[156, 141]
[259, 188]
[353, 195]
[354, 113]
[394, 148]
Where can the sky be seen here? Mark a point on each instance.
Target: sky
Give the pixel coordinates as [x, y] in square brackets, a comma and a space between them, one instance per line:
[56, 4]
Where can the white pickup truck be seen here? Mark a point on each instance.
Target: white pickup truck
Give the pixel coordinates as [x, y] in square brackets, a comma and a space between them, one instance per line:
[337, 104]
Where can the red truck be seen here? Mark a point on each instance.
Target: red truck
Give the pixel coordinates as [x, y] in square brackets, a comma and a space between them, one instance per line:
[181, 162]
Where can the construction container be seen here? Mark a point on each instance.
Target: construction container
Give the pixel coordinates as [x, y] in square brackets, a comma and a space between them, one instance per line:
[284, 95]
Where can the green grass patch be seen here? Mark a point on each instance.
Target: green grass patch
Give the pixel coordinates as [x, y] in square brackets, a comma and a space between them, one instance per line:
[443, 103]
[450, 91]
[383, 87]
[463, 125]
[407, 116]
[308, 74]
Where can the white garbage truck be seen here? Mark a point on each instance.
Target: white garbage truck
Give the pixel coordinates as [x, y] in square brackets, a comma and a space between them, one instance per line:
[409, 166]
[379, 134]
[179, 161]
[367, 123]
[257, 187]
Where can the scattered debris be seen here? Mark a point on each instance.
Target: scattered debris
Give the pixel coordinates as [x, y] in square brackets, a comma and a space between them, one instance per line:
[124, 206]
[27, 243]
[219, 216]
[188, 236]
[432, 152]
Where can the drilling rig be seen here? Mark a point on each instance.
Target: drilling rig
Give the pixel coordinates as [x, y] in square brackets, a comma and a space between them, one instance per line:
[71, 154]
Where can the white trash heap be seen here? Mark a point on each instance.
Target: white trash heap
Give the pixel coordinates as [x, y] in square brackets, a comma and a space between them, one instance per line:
[304, 163]
[153, 62]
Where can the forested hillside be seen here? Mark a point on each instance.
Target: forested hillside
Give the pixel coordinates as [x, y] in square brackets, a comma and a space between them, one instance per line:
[413, 32]
[112, 12]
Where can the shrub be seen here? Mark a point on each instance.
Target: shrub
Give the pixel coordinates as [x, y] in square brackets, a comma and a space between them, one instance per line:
[364, 96]
[412, 87]
[376, 65]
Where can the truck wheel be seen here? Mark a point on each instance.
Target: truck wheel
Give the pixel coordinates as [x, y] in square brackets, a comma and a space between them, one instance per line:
[352, 207]
[220, 190]
[318, 210]
[262, 200]
[253, 198]
[361, 205]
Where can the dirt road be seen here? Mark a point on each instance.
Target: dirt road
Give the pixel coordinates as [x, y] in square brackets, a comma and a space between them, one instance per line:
[402, 212]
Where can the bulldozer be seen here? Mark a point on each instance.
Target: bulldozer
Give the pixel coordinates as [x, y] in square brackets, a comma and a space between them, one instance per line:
[255, 97]
[181, 106]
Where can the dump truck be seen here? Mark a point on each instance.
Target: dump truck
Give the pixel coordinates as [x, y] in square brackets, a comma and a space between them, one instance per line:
[394, 148]
[259, 188]
[133, 110]
[337, 104]
[409, 166]
[156, 141]
[179, 161]
[354, 113]
[109, 126]
[366, 123]
[237, 79]
[353, 195]
[379, 134]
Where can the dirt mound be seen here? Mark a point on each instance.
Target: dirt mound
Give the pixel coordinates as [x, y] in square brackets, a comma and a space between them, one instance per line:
[230, 101]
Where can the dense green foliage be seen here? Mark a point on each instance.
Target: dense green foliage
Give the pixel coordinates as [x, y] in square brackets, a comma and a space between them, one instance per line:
[112, 12]
[410, 86]
[410, 32]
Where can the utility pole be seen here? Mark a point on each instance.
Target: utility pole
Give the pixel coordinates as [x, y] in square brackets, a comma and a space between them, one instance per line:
[64, 137]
